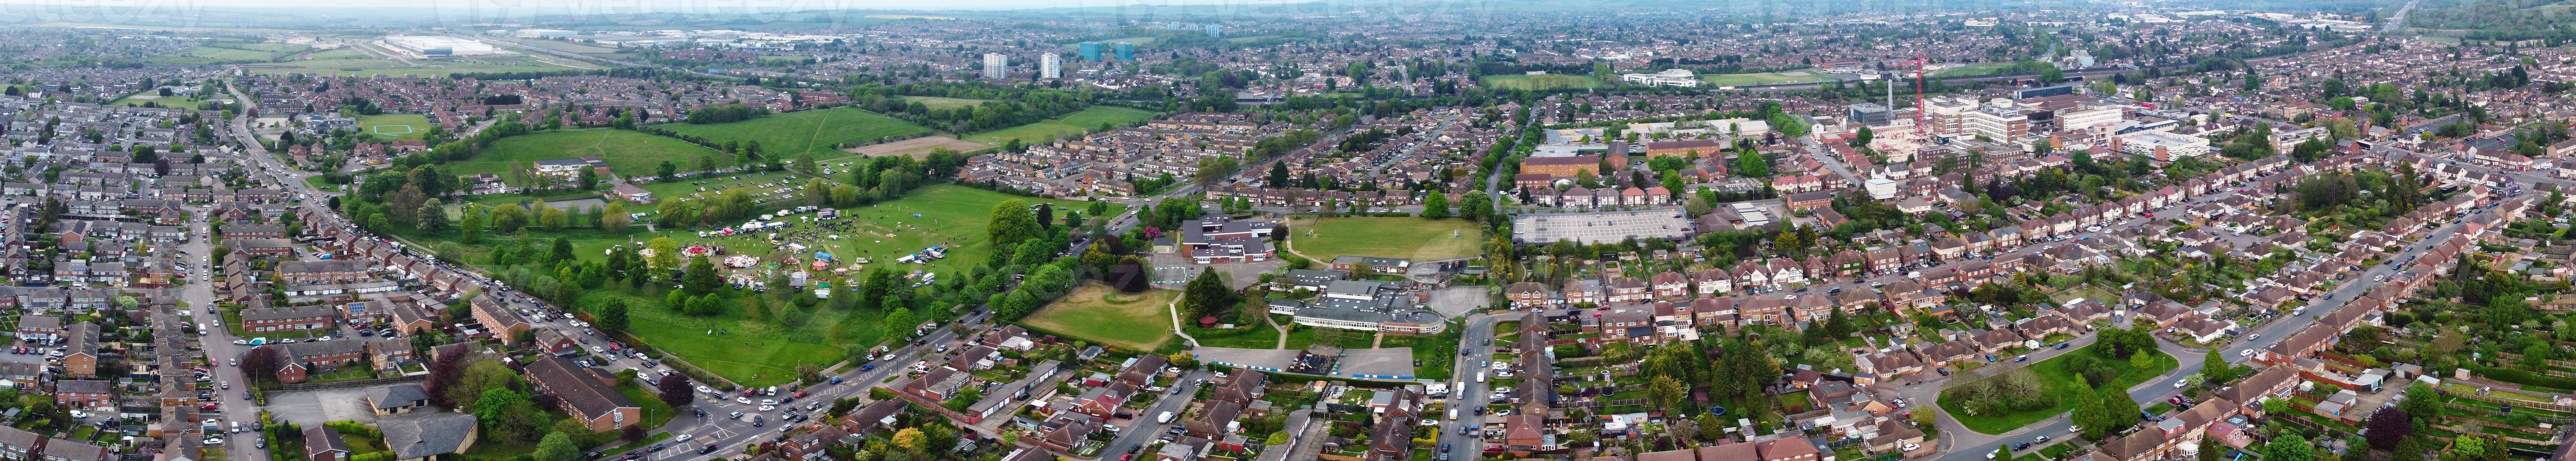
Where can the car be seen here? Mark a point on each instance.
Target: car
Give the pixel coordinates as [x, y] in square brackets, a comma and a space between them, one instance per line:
[656, 447]
[2021, 446]
[216, 441]
[710, 448]
[2021, 358]
[768, 407]
[742, 400]
[246, 394]
[228, 385]
[736, 415]
[1444, 447]
[2178, 384]
[2041, 439]
[2061, 345]
[237, 342]
[2245, 353]
[768, 401]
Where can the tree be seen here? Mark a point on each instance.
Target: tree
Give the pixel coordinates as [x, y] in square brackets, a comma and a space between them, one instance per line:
[2289, 447]
[1476, 205]
[1012, 221]
[610, 316]
[910, 439]
[2386, 427]
[261, 362]
[1666, 391]
[557, 447]
[2214, 366]
[1206, 295]
[675, 390]
[2422, 404]
[494, 401]
[479, 377]
[899, 323]
[613, 217]
[702, 278]
[432, 218]
[2116, 408]
[1751, 164]
[1130, 276]
[1436, 205]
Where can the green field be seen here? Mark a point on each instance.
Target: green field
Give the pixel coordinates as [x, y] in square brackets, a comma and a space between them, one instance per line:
[936, 102]
[396, 126]
[1140, 321]
[207, 54]
[628, 153]
[1539, 82]
[137, 100]
[1419, 239]
[1070, 125]
[792, 134]
[424, 68]
[1971, 70]
[2059, 381]
[1766, 78]
[690, 188]
[766, 350]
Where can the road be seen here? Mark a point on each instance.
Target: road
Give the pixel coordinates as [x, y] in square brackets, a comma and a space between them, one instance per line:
[1470, 393]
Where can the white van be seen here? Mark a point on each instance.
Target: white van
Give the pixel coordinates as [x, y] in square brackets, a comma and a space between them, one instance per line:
[1453, 414]
[1480, 376]
[1165, 418]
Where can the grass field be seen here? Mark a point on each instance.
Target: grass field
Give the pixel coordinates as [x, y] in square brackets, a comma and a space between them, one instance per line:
[1070, 125]
[765, 349]
[936, 102]
[1970, 70]
[918, 148]
[1539, 82]
[395, 126]
[1100, 314]
[629, 153]
[1766, 78]
[368, 67]
[796, 133]
[339, 54]
[1418, 239]
[137, 100]
[2059, 381]
[213, 55]
[689, 188]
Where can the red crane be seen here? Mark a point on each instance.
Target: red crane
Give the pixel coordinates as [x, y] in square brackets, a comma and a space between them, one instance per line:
[1918, 63]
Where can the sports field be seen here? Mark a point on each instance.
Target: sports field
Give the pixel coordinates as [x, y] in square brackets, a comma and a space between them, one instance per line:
[1970, 70]
[1098, 313]
[388, 127]
[137, 100]
[1419, 239]
[1070, 125]
[1539, 82]
[1766, 78]
[796, 133]
[936, 102]
[628, 153]
[950, 215]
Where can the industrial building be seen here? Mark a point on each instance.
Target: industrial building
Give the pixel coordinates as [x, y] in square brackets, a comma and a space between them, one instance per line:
[437, 46]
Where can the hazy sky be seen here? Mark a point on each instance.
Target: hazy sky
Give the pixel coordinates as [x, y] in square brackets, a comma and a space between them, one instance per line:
[620, 5]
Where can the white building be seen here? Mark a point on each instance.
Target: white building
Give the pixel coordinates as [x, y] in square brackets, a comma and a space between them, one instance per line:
[1881, 188]
[543, 33]
[2160, 145]
[1669, 77]
[996, 66]
[1050, 65]
[2089, 118]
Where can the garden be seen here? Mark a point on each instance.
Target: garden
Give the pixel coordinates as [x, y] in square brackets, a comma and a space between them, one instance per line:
[2005, 402]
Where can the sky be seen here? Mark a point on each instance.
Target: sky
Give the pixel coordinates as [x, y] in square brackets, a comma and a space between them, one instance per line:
[711, 6]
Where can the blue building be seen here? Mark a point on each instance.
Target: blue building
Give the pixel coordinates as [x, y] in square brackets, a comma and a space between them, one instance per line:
[1090, 51]
[1126, 51]
[1215, 31]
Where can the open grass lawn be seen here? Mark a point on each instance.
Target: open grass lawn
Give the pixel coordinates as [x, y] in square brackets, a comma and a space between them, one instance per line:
[1539, 82]
[339, 54]
[215, 54]
[2060, 382]
[936, 102]
[137, 100]
[629, 153]
[1100, 314]
[765, 348]
[1971, 70]
[1070, 125]
[422, 68]
[394, 126]
[1247, 337]
[359, 445]
[1764, 78]
[688, 188]
[1419, 239]
[797, 133]
[655, 412]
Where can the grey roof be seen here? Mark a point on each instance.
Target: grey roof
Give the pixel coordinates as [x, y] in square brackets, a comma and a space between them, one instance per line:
[73, 450]
[397, 396]
[421, 435]
[83, 386]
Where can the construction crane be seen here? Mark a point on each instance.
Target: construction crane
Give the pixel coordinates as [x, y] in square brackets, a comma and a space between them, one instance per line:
[1918, 63]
